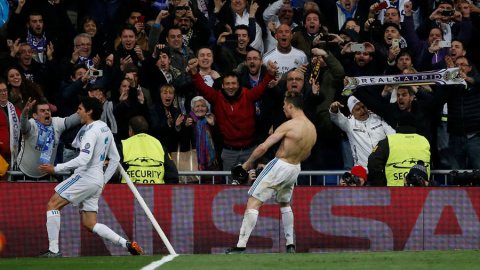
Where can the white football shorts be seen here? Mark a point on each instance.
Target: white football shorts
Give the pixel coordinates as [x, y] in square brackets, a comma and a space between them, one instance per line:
[80, 191]
[278, 177]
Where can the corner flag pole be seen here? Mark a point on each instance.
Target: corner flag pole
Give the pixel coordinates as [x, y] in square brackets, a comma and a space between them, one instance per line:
[147, 210]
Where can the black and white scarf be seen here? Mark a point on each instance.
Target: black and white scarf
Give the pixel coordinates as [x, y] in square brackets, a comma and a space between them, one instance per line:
[446, 76]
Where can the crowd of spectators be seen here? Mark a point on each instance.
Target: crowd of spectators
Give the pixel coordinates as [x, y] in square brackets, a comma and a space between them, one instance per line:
[211, 74]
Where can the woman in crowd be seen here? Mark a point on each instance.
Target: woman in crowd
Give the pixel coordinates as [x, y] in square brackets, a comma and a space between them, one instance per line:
[200, 130]
[20, 89]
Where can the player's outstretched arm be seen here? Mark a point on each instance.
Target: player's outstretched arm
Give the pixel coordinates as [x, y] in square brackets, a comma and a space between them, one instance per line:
[277, 136]
[114, 157]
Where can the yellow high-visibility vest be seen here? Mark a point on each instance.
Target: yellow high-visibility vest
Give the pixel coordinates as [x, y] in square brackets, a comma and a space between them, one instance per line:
[145, 158]
[405, 151]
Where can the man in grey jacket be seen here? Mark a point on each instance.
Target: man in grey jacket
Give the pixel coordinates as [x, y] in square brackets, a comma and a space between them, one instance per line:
[40, 136]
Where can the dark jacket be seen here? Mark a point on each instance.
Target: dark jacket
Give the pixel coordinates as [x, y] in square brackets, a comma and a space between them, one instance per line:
[227, 59]
[303, 41]
[463, 111]
[159, 128]
[125, 110]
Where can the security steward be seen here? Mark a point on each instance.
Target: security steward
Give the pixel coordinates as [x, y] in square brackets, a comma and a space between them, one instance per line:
[145, 159]
[394, 156]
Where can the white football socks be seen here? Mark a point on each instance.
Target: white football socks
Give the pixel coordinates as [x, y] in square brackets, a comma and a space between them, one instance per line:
[109, 234]
[249, 222]
[287, 220]
[53, 229]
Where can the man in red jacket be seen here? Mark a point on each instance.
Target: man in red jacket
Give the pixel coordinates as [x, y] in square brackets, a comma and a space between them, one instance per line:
[235, 111]
[9, 127]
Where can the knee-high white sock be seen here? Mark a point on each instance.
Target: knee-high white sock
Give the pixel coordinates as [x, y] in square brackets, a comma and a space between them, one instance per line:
[53, 229]
[287, 220]
[249, 221]
[109, 234]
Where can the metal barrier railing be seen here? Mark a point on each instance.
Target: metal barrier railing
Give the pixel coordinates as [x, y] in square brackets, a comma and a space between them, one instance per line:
[441, 176]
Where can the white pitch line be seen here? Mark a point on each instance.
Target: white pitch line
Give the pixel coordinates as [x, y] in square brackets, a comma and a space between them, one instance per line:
[159, 263]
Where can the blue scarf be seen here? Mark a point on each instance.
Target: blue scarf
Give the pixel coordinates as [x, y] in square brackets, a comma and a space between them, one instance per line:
[205, 148]
[39, 46]
[46, 140]
[348, 15]
[87, 61]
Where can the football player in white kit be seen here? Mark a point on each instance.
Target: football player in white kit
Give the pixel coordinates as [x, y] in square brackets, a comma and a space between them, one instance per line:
[85, 186]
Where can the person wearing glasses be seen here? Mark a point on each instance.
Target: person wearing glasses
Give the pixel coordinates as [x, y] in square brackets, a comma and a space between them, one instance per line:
[463, 123]
[82, 54]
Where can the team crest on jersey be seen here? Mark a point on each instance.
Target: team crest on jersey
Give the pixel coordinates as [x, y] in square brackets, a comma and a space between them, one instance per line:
[87, 146]
[296, 62]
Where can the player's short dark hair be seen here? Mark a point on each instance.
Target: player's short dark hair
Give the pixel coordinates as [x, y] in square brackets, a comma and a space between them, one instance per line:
[294, 98]
[91, 103]
[138, 124]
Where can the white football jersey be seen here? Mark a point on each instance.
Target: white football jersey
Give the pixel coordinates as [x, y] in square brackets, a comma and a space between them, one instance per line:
[285, 61]
[96, 145]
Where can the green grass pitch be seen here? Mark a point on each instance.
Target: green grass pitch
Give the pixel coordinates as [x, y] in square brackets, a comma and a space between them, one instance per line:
[438, 260]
